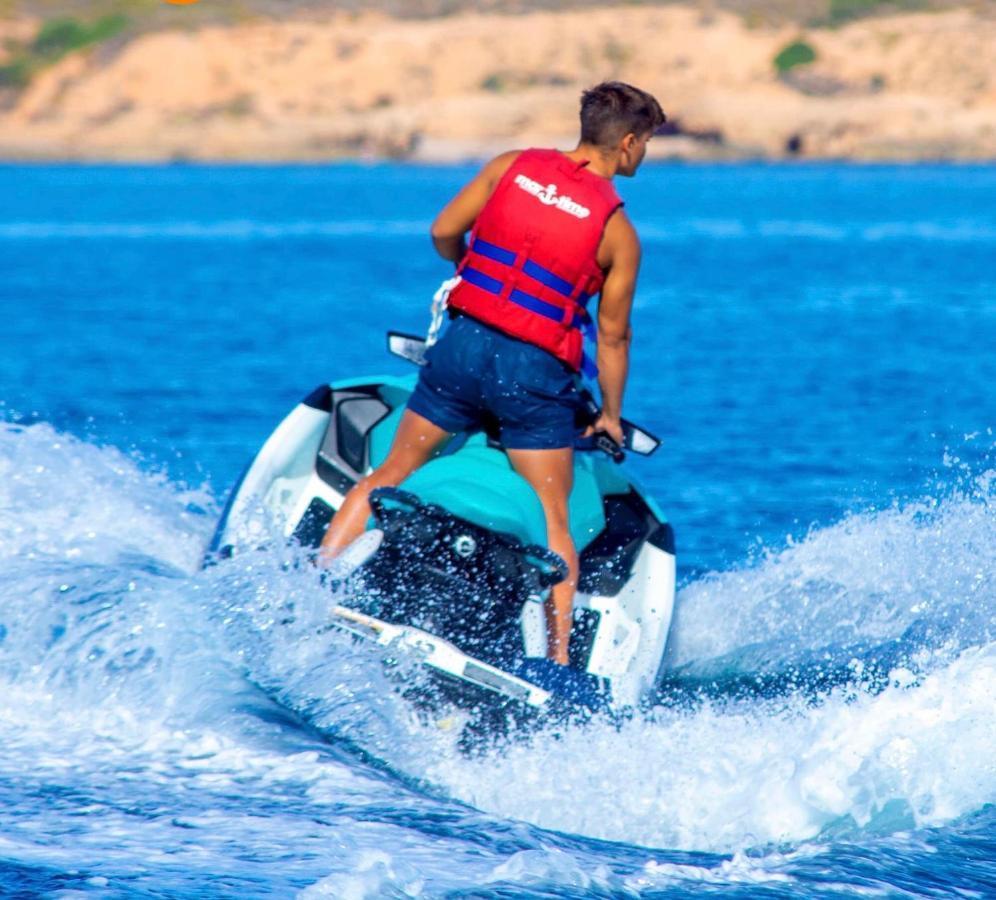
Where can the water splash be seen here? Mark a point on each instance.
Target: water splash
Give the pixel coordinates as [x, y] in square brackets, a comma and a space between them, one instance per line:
[727, 777]
[66, 500]
[909, 592]
[923, 574]
[115, 647]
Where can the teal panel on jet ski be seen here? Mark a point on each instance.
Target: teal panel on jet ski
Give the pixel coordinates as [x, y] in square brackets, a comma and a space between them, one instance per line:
[403, 382]
[395, 393]
[383, 434]
[611, 477]
[478, 483]
[587, 515]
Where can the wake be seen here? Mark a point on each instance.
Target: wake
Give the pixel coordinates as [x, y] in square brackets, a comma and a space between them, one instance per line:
[879, 635]
[879, 632]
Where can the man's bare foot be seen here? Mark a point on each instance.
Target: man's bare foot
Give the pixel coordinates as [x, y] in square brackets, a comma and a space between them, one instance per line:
[340, 566]
[323, 559]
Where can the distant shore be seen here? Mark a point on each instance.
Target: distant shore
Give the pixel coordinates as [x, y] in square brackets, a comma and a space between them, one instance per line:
[905, 87]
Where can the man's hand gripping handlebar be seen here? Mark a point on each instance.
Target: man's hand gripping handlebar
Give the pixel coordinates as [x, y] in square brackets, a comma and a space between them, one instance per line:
[605, 434]
[612, 436]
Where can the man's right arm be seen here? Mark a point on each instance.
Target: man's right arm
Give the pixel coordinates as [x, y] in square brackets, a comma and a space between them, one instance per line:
[621, 251]
[458, 216]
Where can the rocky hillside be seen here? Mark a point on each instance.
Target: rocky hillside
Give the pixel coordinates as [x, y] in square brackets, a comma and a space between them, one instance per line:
[322, 84]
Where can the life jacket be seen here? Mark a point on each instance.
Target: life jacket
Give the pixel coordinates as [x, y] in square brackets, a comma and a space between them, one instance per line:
[531, 264]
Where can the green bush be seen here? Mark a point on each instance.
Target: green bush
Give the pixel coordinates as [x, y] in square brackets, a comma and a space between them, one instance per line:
[58, 37]
[15, 74]
[798, 53]
[497, 82]
[845, 10]
[107, 27]
[842, 11]
[54, 40]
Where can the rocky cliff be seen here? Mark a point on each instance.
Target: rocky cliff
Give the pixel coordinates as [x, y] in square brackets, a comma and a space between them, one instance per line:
[912, 86]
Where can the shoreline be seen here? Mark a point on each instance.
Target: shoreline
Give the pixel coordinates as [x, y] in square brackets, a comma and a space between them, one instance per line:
[902, 88]
[649, 163]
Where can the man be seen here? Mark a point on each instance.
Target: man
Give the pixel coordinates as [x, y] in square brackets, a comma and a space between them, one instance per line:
[547, 231]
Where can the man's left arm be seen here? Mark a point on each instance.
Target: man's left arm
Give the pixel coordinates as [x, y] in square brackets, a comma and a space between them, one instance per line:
[614, 332]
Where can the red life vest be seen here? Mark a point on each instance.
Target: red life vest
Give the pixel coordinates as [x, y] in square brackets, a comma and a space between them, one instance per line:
[531, 265]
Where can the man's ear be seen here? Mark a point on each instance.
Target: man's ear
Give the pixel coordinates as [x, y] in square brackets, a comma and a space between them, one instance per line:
[626, 144]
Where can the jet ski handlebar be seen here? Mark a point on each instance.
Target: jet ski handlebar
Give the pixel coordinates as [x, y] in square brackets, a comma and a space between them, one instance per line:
[634, 438]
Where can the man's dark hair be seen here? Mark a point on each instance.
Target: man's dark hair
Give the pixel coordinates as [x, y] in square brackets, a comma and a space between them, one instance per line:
[612, 109]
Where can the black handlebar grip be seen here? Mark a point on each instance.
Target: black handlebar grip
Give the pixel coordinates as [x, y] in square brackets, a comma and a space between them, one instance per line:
[609, 446]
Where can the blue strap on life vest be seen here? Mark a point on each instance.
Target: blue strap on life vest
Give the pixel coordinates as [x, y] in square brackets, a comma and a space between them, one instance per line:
[534, 270]
[582, 319]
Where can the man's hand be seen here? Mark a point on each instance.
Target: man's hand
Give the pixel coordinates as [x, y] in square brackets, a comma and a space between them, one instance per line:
[611, 426]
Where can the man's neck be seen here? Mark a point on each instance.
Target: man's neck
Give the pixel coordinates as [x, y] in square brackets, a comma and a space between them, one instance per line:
[599, 161]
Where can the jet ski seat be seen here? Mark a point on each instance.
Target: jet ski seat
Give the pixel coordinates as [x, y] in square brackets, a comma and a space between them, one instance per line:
[478, 484]
[476, 481]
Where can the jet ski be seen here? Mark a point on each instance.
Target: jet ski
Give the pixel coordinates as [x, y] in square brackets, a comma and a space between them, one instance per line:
[454, 568]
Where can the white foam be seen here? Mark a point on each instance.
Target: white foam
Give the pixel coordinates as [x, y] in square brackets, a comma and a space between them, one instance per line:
[721, 779]
[62, 498]
[869, 578]
[725, 775]
[142, 675]
[376, 874]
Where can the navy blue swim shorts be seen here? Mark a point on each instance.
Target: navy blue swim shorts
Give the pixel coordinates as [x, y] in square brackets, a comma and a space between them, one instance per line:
[474, 370]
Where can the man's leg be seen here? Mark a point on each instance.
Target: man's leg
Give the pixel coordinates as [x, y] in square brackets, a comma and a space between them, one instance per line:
[551, 474]
[415, 441]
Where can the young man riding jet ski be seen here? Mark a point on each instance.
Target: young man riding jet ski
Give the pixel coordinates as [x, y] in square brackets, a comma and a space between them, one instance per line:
[547, 233]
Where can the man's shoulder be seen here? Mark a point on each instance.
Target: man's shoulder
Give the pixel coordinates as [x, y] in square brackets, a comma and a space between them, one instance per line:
[620, 237]
[504, 161]
[621, 225]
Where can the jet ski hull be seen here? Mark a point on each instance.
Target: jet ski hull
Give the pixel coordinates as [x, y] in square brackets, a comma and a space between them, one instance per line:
[462, 574]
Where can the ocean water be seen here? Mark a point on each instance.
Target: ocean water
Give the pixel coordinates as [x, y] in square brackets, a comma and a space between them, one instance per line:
[813, 343]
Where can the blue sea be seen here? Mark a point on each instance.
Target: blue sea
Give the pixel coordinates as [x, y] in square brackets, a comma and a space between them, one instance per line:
[816, 346]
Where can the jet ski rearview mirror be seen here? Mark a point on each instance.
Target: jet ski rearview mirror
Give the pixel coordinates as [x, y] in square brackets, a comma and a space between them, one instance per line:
[407, 346]
[638, 440]
[635, 438]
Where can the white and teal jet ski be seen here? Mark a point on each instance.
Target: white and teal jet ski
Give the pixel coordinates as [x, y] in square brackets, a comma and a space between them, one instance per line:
[461, 573]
